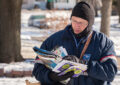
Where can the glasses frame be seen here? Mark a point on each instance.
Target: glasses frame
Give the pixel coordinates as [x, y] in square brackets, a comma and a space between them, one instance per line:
[79, 23]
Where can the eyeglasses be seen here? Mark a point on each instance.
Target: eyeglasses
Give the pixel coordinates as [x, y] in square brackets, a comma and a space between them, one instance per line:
[79, 23]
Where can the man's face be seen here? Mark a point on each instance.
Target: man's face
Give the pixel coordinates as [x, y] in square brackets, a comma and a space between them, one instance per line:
[78, 24]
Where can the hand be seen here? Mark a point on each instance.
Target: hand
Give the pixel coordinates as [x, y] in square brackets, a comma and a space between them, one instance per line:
[71, 58]
[56, 77]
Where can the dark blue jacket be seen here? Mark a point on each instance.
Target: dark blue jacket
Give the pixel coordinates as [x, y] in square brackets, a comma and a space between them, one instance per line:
[102, 65]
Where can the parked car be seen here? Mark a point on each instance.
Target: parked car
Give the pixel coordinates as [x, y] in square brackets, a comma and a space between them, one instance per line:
[37, 21]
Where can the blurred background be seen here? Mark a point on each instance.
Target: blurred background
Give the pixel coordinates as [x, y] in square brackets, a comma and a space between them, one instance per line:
[27, 23]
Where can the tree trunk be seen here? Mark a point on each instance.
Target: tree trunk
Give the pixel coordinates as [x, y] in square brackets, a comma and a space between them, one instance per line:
[118, 6]
[10, 24]
[106, 13]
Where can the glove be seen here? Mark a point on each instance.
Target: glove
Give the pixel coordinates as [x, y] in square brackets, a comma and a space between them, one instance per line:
[75, 59]
[56, 78]
[71, 58]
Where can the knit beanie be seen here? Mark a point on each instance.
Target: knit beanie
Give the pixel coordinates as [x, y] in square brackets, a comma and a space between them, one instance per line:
[85, 11]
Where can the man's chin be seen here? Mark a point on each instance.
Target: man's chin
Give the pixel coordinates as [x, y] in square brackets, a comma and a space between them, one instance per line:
[76, 32]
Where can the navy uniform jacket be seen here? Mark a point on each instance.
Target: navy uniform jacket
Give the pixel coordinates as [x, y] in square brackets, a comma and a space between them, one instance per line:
[102, 66]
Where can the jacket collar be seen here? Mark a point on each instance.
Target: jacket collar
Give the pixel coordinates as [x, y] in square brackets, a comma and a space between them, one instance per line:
[68, 35]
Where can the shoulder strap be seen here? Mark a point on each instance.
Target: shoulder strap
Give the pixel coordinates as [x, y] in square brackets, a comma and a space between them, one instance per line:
[86, 45]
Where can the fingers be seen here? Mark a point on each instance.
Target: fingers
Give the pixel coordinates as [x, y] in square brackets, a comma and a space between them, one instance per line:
[71, 58]
[67, 75]
[55, 77]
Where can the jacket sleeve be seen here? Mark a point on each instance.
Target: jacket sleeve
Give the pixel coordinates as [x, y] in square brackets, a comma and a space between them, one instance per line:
[41, 74]
[40, 71]
[106, 68]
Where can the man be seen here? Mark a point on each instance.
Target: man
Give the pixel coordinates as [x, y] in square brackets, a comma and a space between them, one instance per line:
[102, 65]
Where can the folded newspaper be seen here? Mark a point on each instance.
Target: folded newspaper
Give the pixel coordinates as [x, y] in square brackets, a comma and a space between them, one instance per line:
[54, 60]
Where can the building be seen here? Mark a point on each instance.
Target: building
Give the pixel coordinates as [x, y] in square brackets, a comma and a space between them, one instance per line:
[58, 4]
[31, 4]
[64, 4]
[28, 4]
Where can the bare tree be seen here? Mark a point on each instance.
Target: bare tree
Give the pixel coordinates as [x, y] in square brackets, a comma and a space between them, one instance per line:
[10, 44]
[118, 7]
[97, 4]
[106, 13]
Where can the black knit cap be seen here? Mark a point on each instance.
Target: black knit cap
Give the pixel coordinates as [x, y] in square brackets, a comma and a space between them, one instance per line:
[85, 11]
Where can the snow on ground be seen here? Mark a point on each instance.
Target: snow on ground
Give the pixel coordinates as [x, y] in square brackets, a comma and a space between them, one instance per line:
[21, 81]
[16, 81]
[19, 66]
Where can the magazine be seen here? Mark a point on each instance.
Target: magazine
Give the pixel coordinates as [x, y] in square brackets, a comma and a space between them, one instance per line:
[54, 60]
